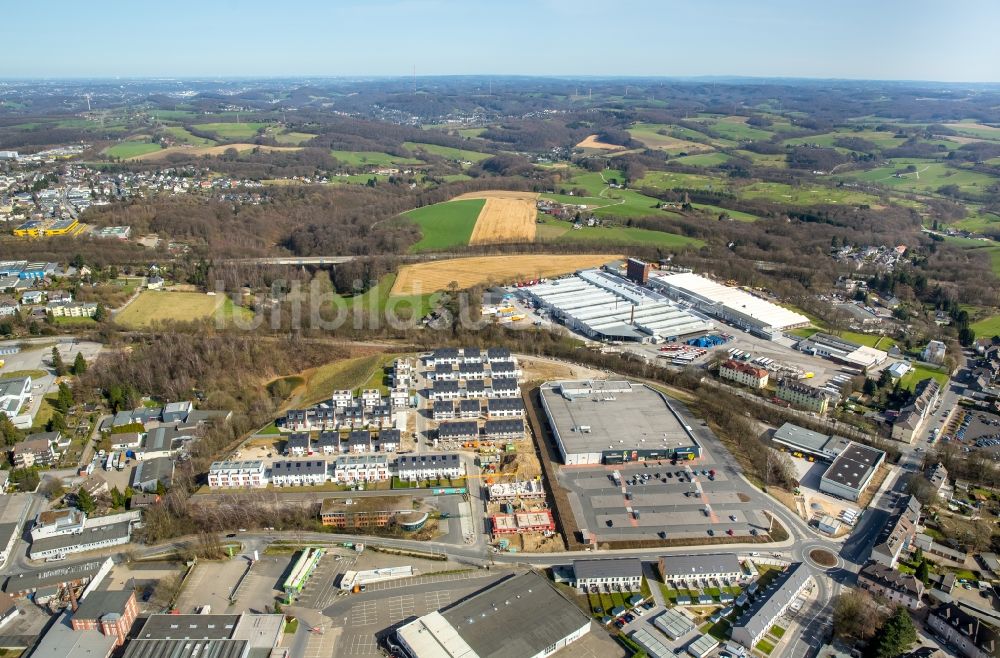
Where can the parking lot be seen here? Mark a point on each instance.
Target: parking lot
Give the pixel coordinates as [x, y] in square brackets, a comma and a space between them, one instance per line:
[670, 503]
[37, 357]
[212, 583]
[363, 618]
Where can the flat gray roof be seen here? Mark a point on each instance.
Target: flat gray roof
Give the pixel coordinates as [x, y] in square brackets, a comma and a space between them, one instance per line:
[179, 627]
[30, 580]
[111, 531]
[674, 623]
[503, 621]
[854, 466]
[808, 440]
[763, 614]
[630, 567]
[695, 566]
[186, 649]
[635, 419]
[61, 641]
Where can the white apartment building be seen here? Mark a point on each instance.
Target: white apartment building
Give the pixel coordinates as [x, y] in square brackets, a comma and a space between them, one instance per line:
[354, 469]
[237, 475]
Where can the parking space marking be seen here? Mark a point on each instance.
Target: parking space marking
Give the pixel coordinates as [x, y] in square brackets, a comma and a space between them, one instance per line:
[362, 645]
[364, 613]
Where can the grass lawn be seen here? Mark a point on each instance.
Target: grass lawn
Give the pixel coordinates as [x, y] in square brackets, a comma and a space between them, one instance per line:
[805, 195]
[34, 374]
[803, 332]
[668, 180]
[293, 138]
[736, 128]
[127, 150]
[346, 374]
[987, 327]
[777, 631]
[871, 340]
[735, 214]
[371, 158]
[444, 225]
[74, 322]
[765, 647]
[447, 152]
[45, 411]
[720, 630]
[378, 300]
[269, 430]
[927, 176]
[159, 306]
[703, 159]
[910, 379]
[231, 131]
[181, 134]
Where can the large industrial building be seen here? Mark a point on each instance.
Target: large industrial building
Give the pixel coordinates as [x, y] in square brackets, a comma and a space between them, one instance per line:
[500, 622]
[733, 305]
[605, 306]
[843, 351]
[611, 422]
[852, 465]
[852, 471]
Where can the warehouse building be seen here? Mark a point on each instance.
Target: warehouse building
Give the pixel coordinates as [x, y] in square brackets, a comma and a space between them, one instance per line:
[612, 422]
[755, 622]
[851, 471]
[842, 350]
[499, 622]
[799, 439]
[674, 623]
[732, 305]
[607, 307]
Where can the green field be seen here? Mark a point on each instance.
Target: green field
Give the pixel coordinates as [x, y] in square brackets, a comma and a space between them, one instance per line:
[774, 161]
[668, 180]
[181, 134]
[613, 235]
[231, 131]
[927, 177]
[982, 132]
[882, 139]
[293, 138]
[735, 128]
[371, 158]
[447, 152]
[735, 214]
[805, 195]
[173, 115]
[987, 327]
[445, 225]
[703, 159]
[919, 373]
[871, 340]
[377, 299]
[153, 306]
[978, 221]
[127, 150]
[661, 136]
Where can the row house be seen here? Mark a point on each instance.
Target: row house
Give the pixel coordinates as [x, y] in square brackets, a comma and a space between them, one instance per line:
[413, 468]
[521, 522]
[469, 409]
[443, 410]
[444, 356]
[505, 370]
[443, 372]
[298, 445]
[402, 373]
[328, 443]
[399, 397]
[445, 391]
[342, 398]
[467, 371]
[357, 469]
[237, 475]
[505, 388]
[371, 397]
[359, 441]
[388, 440]
[502, 429]
[458, 431]
[298, 473]
[505, 408]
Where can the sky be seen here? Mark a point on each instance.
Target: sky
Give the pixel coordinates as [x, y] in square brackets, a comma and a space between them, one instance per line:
[940, 40]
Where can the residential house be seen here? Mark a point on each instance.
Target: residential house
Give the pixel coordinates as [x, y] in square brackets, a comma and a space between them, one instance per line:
[503, 429]
[505, 388]
[32, 452]
[298, 473]
[150, 473]
[328, 443]
[744, 374]
[911, 418]
[15, 392]
[937, 475]
[973, 636]
[355, 469]
[388, 440]
[469, 409]
[458, 431]
[443, 410]
[900, 588]
[298, 445]
[359, 441]
[897, 534]
[934, 352]
[414, 468]
[237, 475]
[621, 574]
[505, 408]
[802, 396]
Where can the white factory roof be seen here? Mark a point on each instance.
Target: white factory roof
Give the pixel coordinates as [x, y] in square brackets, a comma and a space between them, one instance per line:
[607, 304]
[733, 298]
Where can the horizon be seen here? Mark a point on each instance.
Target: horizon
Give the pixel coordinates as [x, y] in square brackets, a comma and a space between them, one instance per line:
[852, 41]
